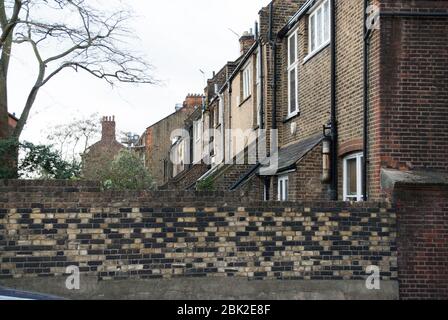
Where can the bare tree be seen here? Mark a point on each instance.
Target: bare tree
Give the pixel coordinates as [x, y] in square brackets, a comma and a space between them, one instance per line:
[93, 41]
[74, 138]
[7, 25]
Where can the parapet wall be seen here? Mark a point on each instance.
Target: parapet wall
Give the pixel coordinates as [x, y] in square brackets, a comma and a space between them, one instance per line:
[45, 227]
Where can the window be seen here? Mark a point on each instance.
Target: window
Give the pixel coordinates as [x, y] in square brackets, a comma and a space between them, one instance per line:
[283, 188]
[353, 177]
[292, 75]
[247, 82]
[221, 110]
[197, 130]
[266, 190]
[258, 84]
[319, 27]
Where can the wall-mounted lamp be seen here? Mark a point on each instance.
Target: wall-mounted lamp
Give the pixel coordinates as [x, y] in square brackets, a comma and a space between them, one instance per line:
[326, 157]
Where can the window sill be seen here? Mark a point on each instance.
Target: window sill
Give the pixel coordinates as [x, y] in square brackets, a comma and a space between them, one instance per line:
[291, 117]
[245, 100]
[315, 52]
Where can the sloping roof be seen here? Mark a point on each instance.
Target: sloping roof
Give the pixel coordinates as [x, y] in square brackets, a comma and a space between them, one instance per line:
[290, 155]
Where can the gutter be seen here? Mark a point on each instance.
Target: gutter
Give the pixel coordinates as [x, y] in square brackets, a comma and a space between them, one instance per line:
[245, 57]
[295, 18]
[413, 14]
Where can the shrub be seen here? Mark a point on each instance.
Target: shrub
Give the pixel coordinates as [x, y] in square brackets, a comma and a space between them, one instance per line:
[206, 185]
[127, 172]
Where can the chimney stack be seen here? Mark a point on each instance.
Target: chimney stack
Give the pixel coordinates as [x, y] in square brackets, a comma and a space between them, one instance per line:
[193, 100]
[246, 42]
[108, 129]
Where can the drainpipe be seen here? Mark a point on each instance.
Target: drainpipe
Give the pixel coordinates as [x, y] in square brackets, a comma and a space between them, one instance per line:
[367, 33]
[273, 42]
[334, 128]
[261, 71]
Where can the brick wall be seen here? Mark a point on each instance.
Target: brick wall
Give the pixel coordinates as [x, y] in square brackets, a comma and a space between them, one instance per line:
[306, 183]
[423, 242]
[187, 178]
[45, 228]
[410, 108]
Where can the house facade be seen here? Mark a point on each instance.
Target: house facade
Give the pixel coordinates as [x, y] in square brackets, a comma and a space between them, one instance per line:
[356, 92]
[156, 142]
[102, 153]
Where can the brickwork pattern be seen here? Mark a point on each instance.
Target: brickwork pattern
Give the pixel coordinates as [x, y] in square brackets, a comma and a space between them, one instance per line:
[159, 235]
[423, 242]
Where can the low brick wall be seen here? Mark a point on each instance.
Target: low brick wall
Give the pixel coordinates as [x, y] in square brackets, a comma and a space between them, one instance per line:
[45, 228]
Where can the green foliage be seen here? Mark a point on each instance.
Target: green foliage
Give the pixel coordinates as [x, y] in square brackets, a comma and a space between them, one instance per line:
[8, 158]
[42, 162]
[127, 172]
[206, 185]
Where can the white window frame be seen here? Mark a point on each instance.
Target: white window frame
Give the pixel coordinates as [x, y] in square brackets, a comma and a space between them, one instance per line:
[359, 161]
[221, 109]
[293, 63]
[325, 29]
[258, 85]
[283, 193]
[247, 82]
[197, 130]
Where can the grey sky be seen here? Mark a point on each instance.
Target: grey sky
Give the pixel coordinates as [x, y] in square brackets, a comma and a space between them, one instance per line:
[178, 36]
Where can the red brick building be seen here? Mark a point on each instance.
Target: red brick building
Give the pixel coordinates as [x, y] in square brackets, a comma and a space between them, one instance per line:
[12, 121]
[100, 154]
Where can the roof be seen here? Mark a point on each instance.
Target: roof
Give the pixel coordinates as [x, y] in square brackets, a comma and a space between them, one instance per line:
[296, 17]
[241, 61]
[290, 155]
[12, 116]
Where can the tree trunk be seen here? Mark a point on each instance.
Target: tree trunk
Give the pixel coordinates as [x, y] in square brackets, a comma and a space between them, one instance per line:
[4, 66]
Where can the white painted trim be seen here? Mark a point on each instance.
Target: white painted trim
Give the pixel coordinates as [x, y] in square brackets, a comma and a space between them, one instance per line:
[313, 12]
[359, 160]
[291, 67]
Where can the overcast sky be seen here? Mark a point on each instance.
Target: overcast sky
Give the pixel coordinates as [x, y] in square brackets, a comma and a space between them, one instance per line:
[179, 37]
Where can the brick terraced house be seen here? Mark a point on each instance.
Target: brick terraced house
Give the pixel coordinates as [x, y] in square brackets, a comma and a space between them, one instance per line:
[337, 90]
[155, 143]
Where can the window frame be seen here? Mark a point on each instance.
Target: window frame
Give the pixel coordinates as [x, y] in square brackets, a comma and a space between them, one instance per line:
[258, 86]
[197, 130]
[293, 65]
[325, 29]
[283, 193]
[359, 156]
[247, 81]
